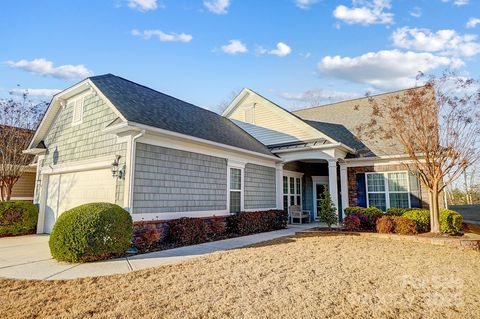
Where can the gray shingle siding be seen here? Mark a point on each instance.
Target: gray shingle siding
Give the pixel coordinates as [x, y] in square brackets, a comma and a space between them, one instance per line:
[169, 180]
[259, 187]
[66, 143]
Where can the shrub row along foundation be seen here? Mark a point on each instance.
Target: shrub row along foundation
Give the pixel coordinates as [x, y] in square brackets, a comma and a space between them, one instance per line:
[190, 231]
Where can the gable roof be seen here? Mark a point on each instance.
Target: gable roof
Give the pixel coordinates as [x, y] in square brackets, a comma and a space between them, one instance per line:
[269, 131]
[138, 104]
[341, 134]
[350, 114]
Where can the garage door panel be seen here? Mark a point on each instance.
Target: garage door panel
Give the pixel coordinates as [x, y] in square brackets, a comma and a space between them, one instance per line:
[74, 189]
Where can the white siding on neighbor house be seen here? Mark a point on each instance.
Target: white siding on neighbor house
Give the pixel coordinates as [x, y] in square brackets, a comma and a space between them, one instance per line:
[259, 187]
[278, 125]
[67, 143]
[169, 180]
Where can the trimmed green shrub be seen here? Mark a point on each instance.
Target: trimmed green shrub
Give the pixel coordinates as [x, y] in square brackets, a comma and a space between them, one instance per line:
[352, 222]
[91, 232]
[17, 218]
[368, 211]
[394, 211]
[450, 221]
[245, 223]
[385, 225]
[327, 212]
[187, 231]
[421, 217]
[404, 226]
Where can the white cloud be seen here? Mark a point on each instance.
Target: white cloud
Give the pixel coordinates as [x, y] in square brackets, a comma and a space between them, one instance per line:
[472, 23]
[45, 67]
[458, 2]
[416, 12]
[445, 42]
[217, 6]
[365, 12]
[318, 96]
[234, 47]
[35, 92]
[388, 69]
[162, 36]
[305, 4]
[143, 5]
[282, 50]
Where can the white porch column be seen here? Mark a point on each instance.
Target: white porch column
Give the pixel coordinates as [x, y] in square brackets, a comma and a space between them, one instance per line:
[332, 182]
[344, 186]
[279, 186]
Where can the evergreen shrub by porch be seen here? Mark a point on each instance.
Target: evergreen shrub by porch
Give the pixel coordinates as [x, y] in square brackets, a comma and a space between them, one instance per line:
[450, 221]
[245, 223]
[368, 216]
[404, 226]
[187, 231]
[17, 218]
[326, 211]
[394, 211]
[421, 217]
[352, 222]
[385, 225]
[91, 232]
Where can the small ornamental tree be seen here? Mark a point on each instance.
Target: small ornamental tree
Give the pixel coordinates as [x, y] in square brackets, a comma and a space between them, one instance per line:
[438, 127]
[327, 212]
[18, 121]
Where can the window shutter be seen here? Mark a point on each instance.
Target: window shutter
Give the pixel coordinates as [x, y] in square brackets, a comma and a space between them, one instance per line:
[415, 193]
[361, 190]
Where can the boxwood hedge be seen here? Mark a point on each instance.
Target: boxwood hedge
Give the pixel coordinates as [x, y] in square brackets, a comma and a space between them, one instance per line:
[17, 218]
[91, 232]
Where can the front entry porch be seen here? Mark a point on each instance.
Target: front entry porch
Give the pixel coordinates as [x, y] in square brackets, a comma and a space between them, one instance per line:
[305, 181]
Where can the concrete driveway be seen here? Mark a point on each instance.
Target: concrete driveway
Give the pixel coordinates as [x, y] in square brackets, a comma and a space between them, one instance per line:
[28, 257]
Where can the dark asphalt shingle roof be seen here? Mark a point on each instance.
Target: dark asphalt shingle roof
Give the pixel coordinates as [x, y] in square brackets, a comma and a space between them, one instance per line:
[140, 104]
[341, 134]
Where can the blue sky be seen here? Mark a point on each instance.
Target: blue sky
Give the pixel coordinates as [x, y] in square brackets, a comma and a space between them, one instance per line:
[295, 52]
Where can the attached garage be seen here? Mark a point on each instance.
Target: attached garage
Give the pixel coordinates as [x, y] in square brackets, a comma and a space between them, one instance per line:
[68, 190]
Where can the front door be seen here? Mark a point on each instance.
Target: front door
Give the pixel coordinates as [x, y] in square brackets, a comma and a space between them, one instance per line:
[319, 189]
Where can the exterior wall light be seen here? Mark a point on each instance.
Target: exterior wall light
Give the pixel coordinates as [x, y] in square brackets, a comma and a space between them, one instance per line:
[116, 170]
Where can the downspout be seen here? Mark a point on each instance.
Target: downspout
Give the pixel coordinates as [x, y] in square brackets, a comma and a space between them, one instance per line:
[132, 169]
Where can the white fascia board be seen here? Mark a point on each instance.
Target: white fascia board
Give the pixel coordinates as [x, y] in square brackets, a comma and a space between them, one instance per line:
[56, 104]
[203, 141]
[237, 100]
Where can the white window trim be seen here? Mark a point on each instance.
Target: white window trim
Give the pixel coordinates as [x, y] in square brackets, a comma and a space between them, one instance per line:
[295, 175]
[250, 108]
[387, 190]
[241, 167]
[73, 103]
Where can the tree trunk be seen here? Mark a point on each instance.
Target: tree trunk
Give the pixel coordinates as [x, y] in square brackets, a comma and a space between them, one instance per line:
[434, 210]
[7, 191]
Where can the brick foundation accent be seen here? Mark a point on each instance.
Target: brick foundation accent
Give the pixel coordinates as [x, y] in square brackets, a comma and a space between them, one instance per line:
[352, 182]
[162, 225]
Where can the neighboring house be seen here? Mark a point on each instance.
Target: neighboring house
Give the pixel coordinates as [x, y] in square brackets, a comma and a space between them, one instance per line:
[110, 139]
[24, 188]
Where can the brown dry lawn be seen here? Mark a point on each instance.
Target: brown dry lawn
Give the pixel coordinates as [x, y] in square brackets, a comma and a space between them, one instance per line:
[296, 277]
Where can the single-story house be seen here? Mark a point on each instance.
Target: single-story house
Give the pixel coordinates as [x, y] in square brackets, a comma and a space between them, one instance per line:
[109, 139]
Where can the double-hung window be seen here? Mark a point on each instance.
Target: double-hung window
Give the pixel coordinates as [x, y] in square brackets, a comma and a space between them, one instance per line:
[235, 190]
[292, 191]
[390, 189]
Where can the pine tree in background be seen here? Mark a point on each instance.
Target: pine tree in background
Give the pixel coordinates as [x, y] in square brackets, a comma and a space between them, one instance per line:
[327, 212]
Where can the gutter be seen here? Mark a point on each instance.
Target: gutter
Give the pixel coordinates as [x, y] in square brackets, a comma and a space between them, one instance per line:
[132, 170]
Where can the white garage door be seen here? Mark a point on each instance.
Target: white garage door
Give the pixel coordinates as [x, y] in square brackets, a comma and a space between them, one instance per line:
[69, 190]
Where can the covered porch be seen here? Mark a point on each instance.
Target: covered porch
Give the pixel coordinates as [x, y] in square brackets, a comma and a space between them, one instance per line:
[306, 173]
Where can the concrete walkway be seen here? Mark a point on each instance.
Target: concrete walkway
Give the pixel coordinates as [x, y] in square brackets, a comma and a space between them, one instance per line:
[28, 257]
